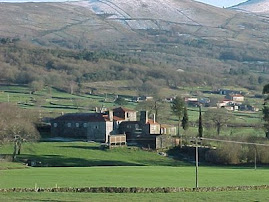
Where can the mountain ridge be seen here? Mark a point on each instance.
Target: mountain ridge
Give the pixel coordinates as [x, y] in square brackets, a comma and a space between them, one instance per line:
[150, 38]
[255, 6]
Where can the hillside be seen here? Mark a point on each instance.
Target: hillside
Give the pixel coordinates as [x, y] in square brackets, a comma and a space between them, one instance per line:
[141, 41]
[255, 6]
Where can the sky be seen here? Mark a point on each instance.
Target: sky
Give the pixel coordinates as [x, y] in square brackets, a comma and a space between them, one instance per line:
[222, 3]
[22, 1]
[218, 3]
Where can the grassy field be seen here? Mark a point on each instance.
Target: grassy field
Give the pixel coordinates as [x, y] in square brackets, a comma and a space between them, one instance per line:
[132, 176]
[115, 167]
[81, 154]
[153, 171]
[261, 196]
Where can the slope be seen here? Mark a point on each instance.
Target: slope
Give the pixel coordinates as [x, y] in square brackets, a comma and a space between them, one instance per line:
[148, 39]
[255, 6]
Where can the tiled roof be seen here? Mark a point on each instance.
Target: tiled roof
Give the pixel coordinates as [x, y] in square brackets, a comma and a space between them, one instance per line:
[116, 118]
[151, 122]
[237, 95]
[122, 109]
[87, 117]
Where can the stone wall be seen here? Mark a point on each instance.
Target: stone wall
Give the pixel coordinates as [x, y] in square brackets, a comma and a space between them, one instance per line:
[138, 189]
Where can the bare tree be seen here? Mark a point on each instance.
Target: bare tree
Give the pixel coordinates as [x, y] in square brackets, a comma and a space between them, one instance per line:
[17, 125]
[219, 118]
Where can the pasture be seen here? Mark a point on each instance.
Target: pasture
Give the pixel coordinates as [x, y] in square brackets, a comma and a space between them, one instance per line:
[119, 167]
[132, 176]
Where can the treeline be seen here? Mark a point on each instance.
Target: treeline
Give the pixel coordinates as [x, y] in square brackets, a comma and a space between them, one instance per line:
[24, 63]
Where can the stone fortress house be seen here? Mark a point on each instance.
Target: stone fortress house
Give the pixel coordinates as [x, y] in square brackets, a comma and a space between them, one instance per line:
[99, 126]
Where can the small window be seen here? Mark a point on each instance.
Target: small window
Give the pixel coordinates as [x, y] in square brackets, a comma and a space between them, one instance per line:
[127, 114]
[77, 125]
[85, 125]
[69, 125]
[55, 125]
[96, 127]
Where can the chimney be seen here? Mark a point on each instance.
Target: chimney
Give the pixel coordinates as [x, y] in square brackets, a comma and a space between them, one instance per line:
[154, 118]
[144, 116]
[110, 115]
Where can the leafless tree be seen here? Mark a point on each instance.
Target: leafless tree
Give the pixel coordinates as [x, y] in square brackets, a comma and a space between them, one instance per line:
[17, 125]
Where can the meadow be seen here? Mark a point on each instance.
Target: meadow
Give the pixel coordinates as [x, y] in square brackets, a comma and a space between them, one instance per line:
[92, 166]
[80, 164]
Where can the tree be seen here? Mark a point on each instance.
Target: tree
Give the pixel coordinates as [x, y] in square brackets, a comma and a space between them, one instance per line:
[219, 118]
[177, 107]
[121, 101]
[185, 120]
[266, 110]
[17, 126]
[200, 127]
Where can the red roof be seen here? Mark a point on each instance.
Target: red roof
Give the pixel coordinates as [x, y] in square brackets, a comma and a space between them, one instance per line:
[237, 95]
[86, 117]
[122, 109]
[151, 122]
[116, 118]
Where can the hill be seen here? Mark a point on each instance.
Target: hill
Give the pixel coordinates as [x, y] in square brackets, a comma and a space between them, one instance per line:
[143, 42]
[255, 6]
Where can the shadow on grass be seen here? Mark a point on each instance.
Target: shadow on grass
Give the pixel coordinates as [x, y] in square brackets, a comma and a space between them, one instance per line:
[62, 161]
[83, 147]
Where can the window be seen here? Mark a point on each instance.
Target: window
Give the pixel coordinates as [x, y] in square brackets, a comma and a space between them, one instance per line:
[85, 125]
[55, 125]
[77, 125]
[127, 114]
[69, 125]
[96, 127]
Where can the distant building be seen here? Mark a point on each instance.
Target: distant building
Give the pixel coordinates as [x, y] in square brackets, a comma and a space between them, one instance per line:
[228, 92]
[90, 126]
[124, 114]
[114, 127]
[237, 97]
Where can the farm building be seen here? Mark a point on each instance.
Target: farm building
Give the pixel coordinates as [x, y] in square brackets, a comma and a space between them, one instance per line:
[101, 127]
[90, 126]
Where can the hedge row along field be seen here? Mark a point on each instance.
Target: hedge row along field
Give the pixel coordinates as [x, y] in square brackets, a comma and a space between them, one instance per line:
[138, 189]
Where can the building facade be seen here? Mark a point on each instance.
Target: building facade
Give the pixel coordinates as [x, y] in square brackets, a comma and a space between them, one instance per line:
[90, 126]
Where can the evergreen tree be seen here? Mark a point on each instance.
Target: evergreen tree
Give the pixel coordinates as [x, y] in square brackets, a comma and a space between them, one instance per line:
[185, 120]
[200, 129]
[266, 110]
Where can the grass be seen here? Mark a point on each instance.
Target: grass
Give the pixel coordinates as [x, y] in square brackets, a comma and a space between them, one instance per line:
[132, 176]
[87, 154]
[50, 99]
[157, 171]
[261, 196]
[4, 165]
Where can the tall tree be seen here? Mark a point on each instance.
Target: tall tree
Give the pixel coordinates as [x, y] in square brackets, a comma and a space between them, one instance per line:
[200, 127]
[177, 107]
[266, 109]
[185, 120]
[219, 118]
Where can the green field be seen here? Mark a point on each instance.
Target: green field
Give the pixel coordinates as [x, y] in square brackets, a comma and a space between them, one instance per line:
[145, 169]
[132, 176]
[82, 154]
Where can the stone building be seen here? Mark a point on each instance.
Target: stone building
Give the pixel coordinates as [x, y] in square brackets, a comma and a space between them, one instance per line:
[90, 126]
